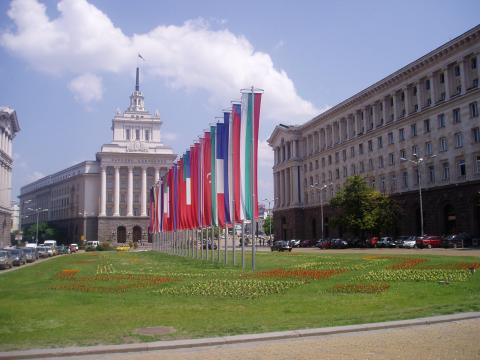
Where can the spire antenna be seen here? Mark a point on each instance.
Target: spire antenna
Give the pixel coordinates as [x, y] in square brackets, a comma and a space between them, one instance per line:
[137, 81]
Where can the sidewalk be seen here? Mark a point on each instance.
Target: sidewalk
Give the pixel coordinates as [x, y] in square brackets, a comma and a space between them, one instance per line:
[228, 340]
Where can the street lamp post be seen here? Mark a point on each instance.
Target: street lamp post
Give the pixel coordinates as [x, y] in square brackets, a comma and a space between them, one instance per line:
[417, 161]
[37, 212]
[321, 188]
[270, 223]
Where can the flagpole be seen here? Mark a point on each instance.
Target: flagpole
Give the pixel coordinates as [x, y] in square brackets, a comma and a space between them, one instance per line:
[252, 181]
[243, 245]
[233, 242]
[225, 247]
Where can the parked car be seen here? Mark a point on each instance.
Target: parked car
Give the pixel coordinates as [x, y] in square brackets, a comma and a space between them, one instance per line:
[6, 259]
[457, 240]
[324, 244]
[428, 242]
[209, 245]
[31, 254]
[44, 251]
[372, 242]
[410, 243]
[281, 245]
[73, 248]
[307, 243]
[385, 242]
[31, 245]
[91, 245]
[295, 243]
[338, 244]
[19, 257]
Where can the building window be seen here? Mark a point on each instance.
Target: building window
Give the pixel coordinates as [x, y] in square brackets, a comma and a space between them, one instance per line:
[413, 130]
[391, 159]
[382, 184]
[441, 120]
[456, 116]
[147, 136]
[473, 109]
[403, 154]
[427, 84]
[405, 179]
[380, 162]
[337, 157]
[431, 174]
[362, 167]
[401, 134]
[393, 183]
[352, 152]
[353, 169]
[370, 164]
[457, 70]
[445, 171]
[473, 63]
[426, 126]
[390, 138]
[337, 173]
[310, 165]
[370, 145]
[316, 164]
[379, 142]
[360, 149]
[344, 154]
[443, 144]
[458, 140]
[329, 159]
[428, 148]
[476, 134]
[442, 78]
[137, 134]
[477, 164]
[462, 170]
[128, 134]
[345, 171]
[323, 162]
[414, 150]
[305, 167]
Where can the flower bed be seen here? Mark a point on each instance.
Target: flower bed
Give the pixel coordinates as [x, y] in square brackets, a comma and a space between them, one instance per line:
[238, 289]
[67, 274]
[298, 273]
[407, 264]
[455, 266]
[360, 288]
[416, 275]
[337, 265]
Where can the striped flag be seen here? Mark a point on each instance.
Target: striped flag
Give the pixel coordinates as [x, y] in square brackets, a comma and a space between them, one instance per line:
[188, 190]
[236, 125]
[213, 175]
[219, 173]
[227, 167]
[207, 186]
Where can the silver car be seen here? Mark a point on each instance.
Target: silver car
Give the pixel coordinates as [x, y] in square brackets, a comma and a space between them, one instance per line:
[6, 260]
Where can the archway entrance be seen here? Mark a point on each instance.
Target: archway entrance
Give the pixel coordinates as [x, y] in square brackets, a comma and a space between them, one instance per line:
[121, 234]
[450, 219]
[137, 233]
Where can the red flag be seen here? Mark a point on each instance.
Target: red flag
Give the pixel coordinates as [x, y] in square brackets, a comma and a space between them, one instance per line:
[236, 161]
[207, 190]
[256, 124]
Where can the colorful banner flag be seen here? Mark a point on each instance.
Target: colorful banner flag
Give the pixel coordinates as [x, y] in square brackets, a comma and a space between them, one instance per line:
[219, 173]
[207, 185]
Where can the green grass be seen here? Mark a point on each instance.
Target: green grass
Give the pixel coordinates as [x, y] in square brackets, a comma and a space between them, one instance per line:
[112, 294]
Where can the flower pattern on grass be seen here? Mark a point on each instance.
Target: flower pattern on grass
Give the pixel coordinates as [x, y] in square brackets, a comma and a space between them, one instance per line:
[305, 274]
[67, 274]
[407, 263]
[237, 288]
[360, 288]
[416, 275]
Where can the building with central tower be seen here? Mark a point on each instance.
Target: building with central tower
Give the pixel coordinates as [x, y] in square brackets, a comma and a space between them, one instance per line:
[105, 199]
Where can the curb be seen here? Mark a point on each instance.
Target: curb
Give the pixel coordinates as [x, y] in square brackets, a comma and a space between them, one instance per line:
[235, 339]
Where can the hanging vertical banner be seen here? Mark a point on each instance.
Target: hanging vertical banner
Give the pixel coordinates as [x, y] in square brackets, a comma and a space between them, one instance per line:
[257, 97]
[236, 148]
[213, 175]
[207, 186]
[219, 173]
[188, 190]
[229, 195]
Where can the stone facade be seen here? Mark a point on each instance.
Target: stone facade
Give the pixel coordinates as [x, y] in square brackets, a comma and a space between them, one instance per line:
[8, 129]
[418, 127]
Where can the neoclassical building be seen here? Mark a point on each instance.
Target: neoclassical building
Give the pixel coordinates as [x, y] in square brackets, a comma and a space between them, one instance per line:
[106, 199]
[8, 128]
[426, 112]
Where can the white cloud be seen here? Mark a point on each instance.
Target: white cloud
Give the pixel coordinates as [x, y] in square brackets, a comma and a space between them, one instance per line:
[168, 136]
[86, 88]
[192, 56]
[265, 154]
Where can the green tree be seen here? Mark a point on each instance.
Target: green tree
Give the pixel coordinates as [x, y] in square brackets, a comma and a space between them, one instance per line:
[266, 225]
[361, 210]
[45, 232]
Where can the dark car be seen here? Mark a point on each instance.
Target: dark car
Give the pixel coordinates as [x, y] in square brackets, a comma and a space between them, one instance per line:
[281, 245]
[62, 249]
[385, 242]
[30, 254]
[324, 243]
[18, 255]
[209, 245]
[6, 259]
[338, 244]
[307, 243]
[457, 241]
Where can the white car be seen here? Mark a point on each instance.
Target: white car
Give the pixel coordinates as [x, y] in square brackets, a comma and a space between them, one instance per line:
[410, 242]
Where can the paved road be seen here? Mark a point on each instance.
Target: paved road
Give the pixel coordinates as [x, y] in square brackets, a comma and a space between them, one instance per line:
[400, 251]
[454, 340]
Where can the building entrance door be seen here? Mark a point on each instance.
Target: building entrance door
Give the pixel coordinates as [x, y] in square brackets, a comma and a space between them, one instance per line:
[137, 233]
[121, 234]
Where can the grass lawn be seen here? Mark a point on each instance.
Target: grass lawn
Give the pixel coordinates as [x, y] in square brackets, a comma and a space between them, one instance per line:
[104, 297]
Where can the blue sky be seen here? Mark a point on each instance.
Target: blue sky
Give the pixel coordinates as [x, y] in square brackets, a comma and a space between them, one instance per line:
[67, 67]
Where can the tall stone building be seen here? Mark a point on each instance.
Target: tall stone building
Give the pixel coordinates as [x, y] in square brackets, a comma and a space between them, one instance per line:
[105, 199]
[426, 112]
[8, 129]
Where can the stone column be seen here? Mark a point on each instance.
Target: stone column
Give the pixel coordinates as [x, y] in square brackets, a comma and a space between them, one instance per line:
[144, 192]
[395, 107]
[447, 84]
[103, 192]
[374, 115]
[432, 89]
[406, 102]
[384, 110]
[10, 146]
[419, 96]
[365, 121]
[116, 199]
[130, 192]
[463, 80]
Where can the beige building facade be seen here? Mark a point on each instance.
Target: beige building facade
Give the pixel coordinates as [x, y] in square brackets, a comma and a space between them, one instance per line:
[9, 127]
[106, 199]
[427, 112]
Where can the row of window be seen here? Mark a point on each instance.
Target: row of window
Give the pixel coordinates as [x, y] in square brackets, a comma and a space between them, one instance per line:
[135, 135]
[123, 197]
